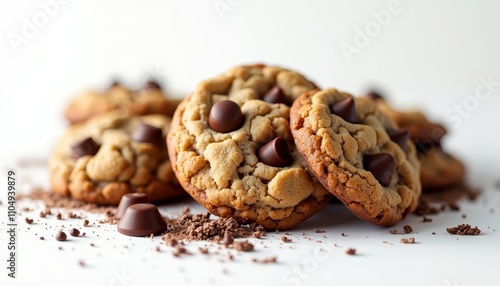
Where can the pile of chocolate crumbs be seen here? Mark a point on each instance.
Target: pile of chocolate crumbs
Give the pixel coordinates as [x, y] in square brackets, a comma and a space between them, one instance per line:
[464, 229]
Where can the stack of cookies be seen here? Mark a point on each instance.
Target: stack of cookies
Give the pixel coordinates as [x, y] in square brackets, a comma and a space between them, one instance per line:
[260, 144]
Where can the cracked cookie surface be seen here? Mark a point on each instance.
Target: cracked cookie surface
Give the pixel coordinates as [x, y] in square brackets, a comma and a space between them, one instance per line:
[336, 152]
[438, 168]
[223, 170]
[120, 165]
[145, 101]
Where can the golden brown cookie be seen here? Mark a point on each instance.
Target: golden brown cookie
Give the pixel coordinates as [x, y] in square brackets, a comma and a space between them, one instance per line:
[438, 168]
[113, 154]
[233, 152]
[358, 154]
[148, 100]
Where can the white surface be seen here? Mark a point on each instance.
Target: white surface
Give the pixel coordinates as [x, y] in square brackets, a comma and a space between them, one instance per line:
[432, 55]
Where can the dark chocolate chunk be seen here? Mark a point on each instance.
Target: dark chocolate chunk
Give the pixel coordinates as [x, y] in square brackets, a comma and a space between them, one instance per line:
[141, 220]
[61, 236]
[275, 95]
[275, 153]
[151, 84]
[74, 232]
[346, 109]
[225, 116]
[147, 133]
[85, 147]
[400, 137]
[128, 200]
[381, 165]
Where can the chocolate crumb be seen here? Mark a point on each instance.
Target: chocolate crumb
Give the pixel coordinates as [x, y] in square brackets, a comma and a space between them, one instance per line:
[61, 236]
[407, 229]
[393, 231]
[59, 216]
[265, 260]
[464, 229]
[74, 232]
[42, 238]
[71, 215]
[464, 216]
[92, 244]
[83, 234]
[157, 249]
[351, 251]
[42, 214]
[81, 263]
[408, 240]
[244, 246]
[185, 210]
[203, 250]
[28, 220]
[286, 239]
[86, 222]
[426, 219]
[228, 239]
[343, 234]
[171, 242]
[319, 230]
[433, 233]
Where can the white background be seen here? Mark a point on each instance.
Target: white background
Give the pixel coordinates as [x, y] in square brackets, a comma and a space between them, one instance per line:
[430, 54]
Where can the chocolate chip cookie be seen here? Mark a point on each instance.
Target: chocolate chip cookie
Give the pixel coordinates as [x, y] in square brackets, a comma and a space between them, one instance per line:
[358, 153]
[231, 148]
[148, 100]
[113, 154]
[438, 168]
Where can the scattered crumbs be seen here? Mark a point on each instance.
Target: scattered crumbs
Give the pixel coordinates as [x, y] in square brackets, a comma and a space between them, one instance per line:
[228, 239]
[407, 240]
[203, 250]
[464, 229]
[426, 219]
[180, 250]
[286, 239]
[83, 234]
[157, 249]
[464, 216]
[81, 263]
[407, 229]
[28, 220]
[86, 222]
[59, 216]
[393, 231]
[265, 260]
[316, 230]
[287, 233]
[92, 244]
[351, 251]
[244, 246]
[60, 248]
[171, 242]
[42, 238]
[433, 233]
[43, 214]
[343, 234]
[71, 215]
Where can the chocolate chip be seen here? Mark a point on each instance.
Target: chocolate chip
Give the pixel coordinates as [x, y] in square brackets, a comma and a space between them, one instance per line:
[381, 165]
[151, 84]
[74, 232]
[374, 95]
[225, 116]
[275, 153]
[346, 109]
[275, 95]
[85, 147]
[141, 220]
[148, 134]
[128, 200]
[400, 137]
[61, 236]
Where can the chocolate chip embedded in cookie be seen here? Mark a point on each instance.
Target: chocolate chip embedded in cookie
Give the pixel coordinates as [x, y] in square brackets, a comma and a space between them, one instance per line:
[148, 100]
[114, 154]
[438, 168]
[347, 144]
[231, 148]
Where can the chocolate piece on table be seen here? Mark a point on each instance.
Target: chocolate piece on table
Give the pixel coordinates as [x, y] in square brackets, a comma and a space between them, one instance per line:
[128, 200]
[346, 109]
[225, 116]
[381, 165]
[74, 232]
[275, 153]
[141, 220]
[85, 147]
[61, 236]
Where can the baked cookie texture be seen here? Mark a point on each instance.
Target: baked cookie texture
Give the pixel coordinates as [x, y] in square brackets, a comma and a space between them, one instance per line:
[438, 168]
[223, 171]
[148, 100]
[123, 162]
[335, 151]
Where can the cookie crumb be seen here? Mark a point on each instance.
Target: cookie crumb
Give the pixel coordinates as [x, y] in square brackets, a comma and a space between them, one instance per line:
[408, 240]
[343, 234]
[407, 229]
[203, 250]
[426, 219]
[285, 239]
[28, 220]
[244, 246]
[319, 230]
[228, 239]
[351, 251]
[42, 238]
[42, 214]
[59, 216]
[86, 222]
[265, 260]
[185, 210]
[433, 233]
[81, 263]
[464, 229]
[393, 231]
[464, 216]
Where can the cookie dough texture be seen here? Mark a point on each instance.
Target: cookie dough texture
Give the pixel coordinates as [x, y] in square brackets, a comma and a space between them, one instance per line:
[117, 97]
[120, 166]
[222, 170]
[438, 168]
[334, 150]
